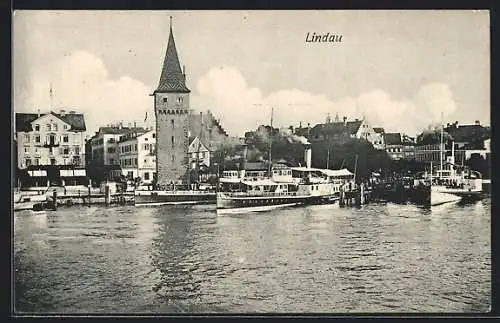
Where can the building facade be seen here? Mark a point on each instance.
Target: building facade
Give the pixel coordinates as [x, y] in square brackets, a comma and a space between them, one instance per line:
[137, 156]
[104, 144]
[50, 139]
[172, 109]
[199, 154]
[342, 130]
[399, 146]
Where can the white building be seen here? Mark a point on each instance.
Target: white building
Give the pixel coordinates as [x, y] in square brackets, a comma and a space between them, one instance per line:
[105, 144]
[137, 155]
[50, 139]
[198, 148]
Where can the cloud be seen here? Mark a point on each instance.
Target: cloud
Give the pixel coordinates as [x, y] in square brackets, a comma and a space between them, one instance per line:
[240, 107]
[81, 82]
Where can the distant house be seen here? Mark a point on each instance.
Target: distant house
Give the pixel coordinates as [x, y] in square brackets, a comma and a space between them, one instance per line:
[379, 138]
[468, 136]
[340, 131]
[105, 143]
[399, 146]
[137, 155]
[199, 154]
[467, 140]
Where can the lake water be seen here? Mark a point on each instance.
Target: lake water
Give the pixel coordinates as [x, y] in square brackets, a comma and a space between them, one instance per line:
[379, 258]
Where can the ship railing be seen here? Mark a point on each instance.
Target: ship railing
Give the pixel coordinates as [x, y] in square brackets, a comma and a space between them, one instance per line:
[138, 192]
[259, 194]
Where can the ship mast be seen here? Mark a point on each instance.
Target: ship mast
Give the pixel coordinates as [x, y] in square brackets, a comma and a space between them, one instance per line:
[271, 141]
[441, 149]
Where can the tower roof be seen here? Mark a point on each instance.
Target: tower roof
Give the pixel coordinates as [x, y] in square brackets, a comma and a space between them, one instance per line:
[172, 78]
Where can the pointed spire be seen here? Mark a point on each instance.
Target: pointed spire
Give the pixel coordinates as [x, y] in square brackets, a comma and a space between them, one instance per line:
[172, 78]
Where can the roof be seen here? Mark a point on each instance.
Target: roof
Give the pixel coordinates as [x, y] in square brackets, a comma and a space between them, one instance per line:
[392, 138]
[350, 127]
[121, 130]
[255, 166]
[337, 172]
[306, 169]
[132, 133]
[172, 78]
[24, 120]
[467, 133]
[194, 145]
[379, 130]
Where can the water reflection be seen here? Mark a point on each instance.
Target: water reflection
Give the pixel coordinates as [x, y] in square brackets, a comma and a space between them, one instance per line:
[377, 258]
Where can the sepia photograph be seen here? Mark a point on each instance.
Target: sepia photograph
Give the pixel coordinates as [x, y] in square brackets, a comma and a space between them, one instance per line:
[251, 161]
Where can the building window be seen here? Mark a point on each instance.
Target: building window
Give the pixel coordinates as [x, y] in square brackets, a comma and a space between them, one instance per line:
[27, 138]
[47, 126]
[65, 138]
[37, 161]
[52, 161]
[153, 135]
[135, 160]
[66, 151]
[28, 162]
[27, 150]
[179, 99]
[172, 141]
[37, 127]
[204, 154]
[173, 158]
[111, 150]
[37, 138]
[54, 127]
[165, 100]
[146, 176]
[130, 175]
[193, 155]
[135, 147]
[111, 161]
[172, 123]
[77, 150]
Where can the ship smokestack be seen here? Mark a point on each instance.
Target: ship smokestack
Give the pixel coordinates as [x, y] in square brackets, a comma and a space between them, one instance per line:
[307, 155]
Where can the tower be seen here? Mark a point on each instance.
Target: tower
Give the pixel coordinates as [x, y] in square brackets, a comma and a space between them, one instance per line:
[171, 104]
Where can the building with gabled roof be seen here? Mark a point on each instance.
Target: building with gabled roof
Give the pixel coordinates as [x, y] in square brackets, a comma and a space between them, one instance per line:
[339, 131]
[50, 139]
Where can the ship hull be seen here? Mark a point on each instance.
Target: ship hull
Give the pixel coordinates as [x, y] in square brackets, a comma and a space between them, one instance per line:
[230, 204]
[440, 198]
[156, 198]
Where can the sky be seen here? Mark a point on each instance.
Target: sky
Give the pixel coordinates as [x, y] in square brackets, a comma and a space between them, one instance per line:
[401, 70]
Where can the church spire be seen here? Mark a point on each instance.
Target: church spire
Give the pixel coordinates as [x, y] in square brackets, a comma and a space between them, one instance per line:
[172, 78]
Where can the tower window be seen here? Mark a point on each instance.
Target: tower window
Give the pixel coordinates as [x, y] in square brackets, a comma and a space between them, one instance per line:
[172, 141]
[165, 100]
[179, 99]
[172, 122]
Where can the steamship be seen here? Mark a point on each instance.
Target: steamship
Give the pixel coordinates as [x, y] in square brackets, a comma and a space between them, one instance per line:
[262, 187]
[454, 183]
